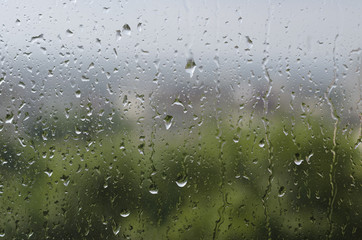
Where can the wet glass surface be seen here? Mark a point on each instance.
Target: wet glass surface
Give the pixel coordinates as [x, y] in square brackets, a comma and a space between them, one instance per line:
[180, 120]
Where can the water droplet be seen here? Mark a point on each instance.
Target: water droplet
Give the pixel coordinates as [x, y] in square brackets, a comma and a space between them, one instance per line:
[126, 29]
[139, 27]
[118, 35]
[181, 183]
[298, 161]
[309, 156]
[48, 172]
[9, 118]
[125, 213]
[168, 121]
[141, 148]
[190, 66]
[281, 191]
[153, 189]
[69, 33]
[178, 103]
[116, 229]
[249, 41]
[78, 94]
[262, 143]
[77, 131]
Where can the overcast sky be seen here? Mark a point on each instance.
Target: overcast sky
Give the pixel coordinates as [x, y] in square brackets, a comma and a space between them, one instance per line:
[162, 31]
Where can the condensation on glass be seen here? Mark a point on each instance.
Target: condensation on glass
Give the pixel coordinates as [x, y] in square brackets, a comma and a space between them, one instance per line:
[180, 119]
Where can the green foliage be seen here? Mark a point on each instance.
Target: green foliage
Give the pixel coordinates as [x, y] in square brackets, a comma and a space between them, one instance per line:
[243, 182]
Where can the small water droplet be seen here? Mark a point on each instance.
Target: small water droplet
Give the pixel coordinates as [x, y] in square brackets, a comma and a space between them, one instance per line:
[118, 35]
[168, 121]
[116, 230]
[262, 143]
[77, 131]
[78, 94]
[281, 191]
[125, 213]
[298, 161]
[9, 118]
[153, 189]
[181, 183]
[48, 172]
[69, 33]
[190, 66]
[141, 148]
[126, 29]
[139, 27]
[249, 41]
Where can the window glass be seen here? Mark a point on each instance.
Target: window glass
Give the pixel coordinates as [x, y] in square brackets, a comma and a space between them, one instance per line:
[180, 119]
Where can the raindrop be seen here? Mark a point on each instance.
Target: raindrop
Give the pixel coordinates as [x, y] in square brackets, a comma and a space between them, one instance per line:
[181, 183]
[141, 148]
[78, 94]
[139, 27]
[190, 66]
[281, 191]
[168, 121]
[262, 143]
[118, 35]
[116, 229]
[298, 160]
[9, 118]
[125, 213]
[34, 38]
[69, 33]
[153, 189]
[48, 172]
[77, 131]
[250, 42]
[126, 29]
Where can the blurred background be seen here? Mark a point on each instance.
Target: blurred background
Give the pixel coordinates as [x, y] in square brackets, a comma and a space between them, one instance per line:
[180, 119]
